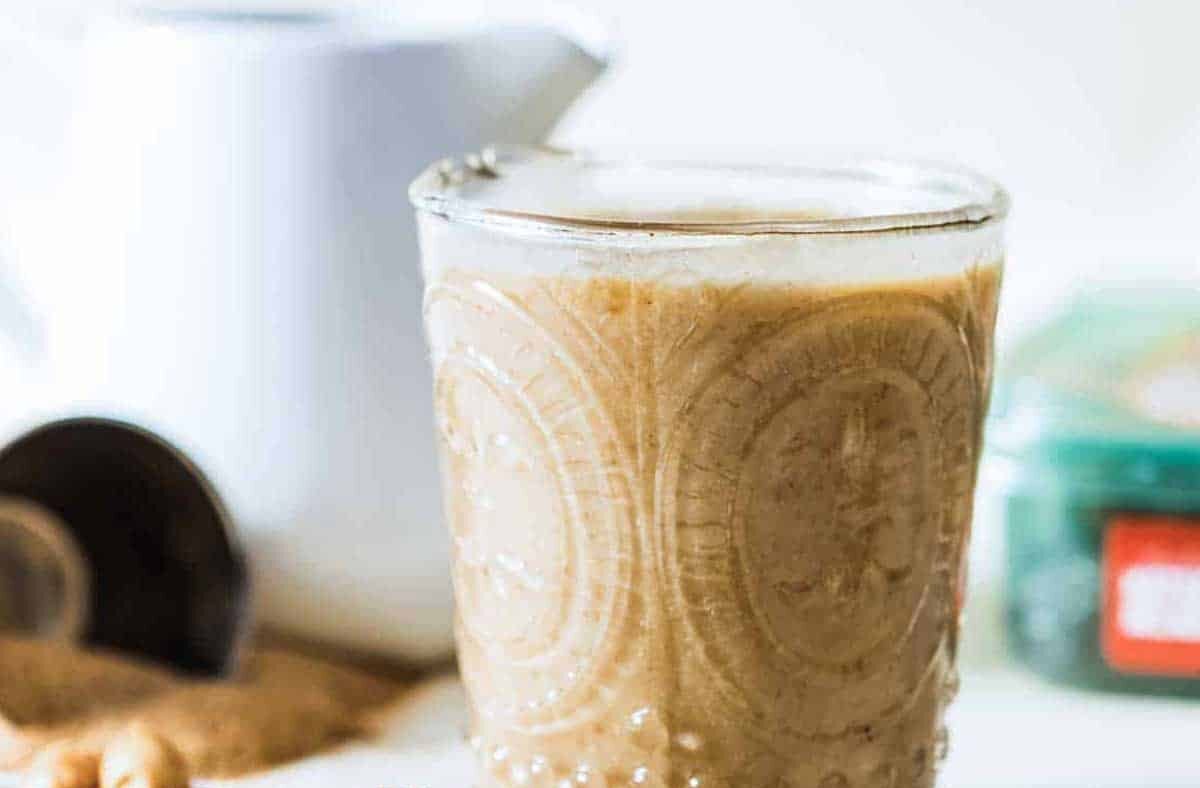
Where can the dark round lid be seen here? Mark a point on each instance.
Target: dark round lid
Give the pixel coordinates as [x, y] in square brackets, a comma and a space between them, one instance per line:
[166, 581]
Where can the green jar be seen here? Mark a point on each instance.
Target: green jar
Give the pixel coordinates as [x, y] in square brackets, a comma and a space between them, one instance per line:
[1094, 449]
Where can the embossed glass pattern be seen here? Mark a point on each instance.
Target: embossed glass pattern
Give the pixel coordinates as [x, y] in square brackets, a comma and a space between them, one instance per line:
[709, 438]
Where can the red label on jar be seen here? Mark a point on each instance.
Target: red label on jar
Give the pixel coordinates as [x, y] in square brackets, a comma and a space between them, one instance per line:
[1152, 595]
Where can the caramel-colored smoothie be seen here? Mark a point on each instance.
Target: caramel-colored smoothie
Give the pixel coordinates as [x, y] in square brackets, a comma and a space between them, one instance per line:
[709, 531]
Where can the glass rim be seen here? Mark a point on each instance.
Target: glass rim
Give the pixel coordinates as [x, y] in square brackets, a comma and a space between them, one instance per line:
[434, 191]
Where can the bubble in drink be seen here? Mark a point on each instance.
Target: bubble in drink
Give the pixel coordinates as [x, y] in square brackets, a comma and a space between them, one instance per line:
[941, 744]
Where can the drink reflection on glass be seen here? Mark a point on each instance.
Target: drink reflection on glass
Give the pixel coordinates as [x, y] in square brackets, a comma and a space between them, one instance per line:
[709, 438]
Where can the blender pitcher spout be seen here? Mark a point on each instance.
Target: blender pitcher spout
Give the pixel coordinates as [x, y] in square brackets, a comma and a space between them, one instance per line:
[525, 77]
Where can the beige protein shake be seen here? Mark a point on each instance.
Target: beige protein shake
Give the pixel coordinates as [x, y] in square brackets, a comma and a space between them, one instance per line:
[708, 441]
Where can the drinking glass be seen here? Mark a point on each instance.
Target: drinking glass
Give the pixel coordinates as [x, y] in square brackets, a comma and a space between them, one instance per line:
[708, 440]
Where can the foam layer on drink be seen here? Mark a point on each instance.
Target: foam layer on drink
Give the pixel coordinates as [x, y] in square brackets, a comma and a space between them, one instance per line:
[819, 260]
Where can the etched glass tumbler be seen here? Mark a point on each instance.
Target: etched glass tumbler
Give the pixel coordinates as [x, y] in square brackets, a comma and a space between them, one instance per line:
[709, 438]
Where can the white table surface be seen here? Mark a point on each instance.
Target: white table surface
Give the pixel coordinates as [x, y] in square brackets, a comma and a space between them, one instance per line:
[1008, 730]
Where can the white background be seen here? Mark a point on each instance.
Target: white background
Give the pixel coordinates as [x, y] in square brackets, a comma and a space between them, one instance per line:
[1088, 110]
